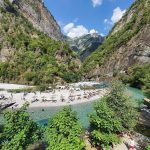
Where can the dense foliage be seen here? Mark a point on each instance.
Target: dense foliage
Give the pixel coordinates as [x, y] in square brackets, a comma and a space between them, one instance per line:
[104, 125]
[138, 76]
[123, 106]
[119, 38]
[148, 147]
[113, 114]
[64, 132]
[33, 58]
[19, 130]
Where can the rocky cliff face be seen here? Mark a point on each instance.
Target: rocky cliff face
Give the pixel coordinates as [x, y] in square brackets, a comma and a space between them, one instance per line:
[86, 44]
[39, 16]
[127, 44]
[35, 12]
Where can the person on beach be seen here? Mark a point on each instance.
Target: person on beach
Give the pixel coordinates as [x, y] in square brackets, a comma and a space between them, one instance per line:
[132, 144]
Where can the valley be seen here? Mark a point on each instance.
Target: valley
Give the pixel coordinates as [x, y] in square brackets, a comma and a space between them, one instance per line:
[59, 92]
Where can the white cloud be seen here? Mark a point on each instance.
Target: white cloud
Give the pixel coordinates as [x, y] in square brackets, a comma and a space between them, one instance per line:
[74, 31]
[117, 14]
[102, 34]
[107, 21]
[96, 2]
[68, 27]
[77, 31]
[93, 31]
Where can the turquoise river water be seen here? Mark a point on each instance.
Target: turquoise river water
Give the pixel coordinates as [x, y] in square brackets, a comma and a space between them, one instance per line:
[41, 115]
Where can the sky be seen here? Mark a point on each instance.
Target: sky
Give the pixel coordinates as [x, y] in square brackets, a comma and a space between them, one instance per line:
[79, 17]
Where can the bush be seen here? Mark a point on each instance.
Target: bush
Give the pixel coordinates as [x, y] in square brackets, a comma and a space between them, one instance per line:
[138, 76]
[64, 131]
[148, 147]
[19, 130]
[113, 114]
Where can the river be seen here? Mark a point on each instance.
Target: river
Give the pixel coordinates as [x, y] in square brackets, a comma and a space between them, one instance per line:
[41, 115]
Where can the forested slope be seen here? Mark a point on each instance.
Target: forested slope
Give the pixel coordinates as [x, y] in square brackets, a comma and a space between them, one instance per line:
[30, 56]
[127, 44]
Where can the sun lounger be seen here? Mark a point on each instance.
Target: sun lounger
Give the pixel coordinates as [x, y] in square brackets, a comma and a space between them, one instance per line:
[62, 100]
[79, 98]
[54, 101]
[71, 98]
[85, 96]
[35, 100]
[45, 100]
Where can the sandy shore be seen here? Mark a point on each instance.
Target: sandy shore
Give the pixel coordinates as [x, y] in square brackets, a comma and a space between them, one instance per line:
[7, 86]
[59, 98]
[55, 98]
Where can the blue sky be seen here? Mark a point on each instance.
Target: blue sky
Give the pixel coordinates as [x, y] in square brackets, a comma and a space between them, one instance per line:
[78, 17]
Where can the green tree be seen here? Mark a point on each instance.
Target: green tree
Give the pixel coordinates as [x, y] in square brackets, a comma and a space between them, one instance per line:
[138, 76]
[104, 125]
[148, 147]
[38, 58]
[64, 132]
[19, 130]
[114, 114]
[122, 105]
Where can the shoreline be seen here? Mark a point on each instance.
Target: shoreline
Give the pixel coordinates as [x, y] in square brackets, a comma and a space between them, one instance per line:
[55, 98]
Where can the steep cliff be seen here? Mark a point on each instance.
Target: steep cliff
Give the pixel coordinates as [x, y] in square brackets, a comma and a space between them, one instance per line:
[127, 44]
[86, 44]
[39, 16]
[27, 55]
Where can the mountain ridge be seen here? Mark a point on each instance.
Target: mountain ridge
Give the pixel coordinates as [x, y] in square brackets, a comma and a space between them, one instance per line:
[40, 17]
[85, 44]
[127, 44]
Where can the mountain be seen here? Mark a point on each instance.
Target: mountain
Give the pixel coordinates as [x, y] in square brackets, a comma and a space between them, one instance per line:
[40, 17]
[126, 45]
[28, 52]
[85, 44]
